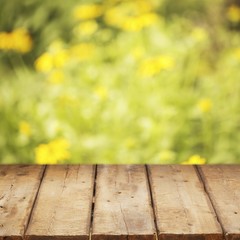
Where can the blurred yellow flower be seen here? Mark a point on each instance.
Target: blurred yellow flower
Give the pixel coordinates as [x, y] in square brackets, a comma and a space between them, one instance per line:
[25, 128]
[233, 14]
[48, 61]
[144, 6]
[113, 16]
[204, 105]
[56, 77]
[18, 40]
[138, 23]
[60, 58]
[86, 28]
[152, 66]
[55, 57]
[53, 152]
[87, 11]
[131, 15]
[44, 63]
[195, 159]
[82, 51]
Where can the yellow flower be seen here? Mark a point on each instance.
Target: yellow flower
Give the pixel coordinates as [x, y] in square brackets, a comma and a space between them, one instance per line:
[88, 11]
[138, 23]
[82, 51]
[19, 40]
[48, 61]
[131, 15]
[55, 57]
[53, 152]
[22, 39]
[154, 65]
[233, 14]
[60, 58]
[113, 16]
[25, 128]
[204, 105]
[86, 28]
[195, 159]
[44, 63]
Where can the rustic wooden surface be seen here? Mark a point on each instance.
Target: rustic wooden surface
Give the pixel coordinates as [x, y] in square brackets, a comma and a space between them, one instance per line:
[63, 207]
[122, 204]
[18, 187]
[223, 185]
[119, 202]
[181, 205]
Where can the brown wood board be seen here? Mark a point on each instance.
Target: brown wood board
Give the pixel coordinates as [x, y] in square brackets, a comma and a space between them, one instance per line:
[182, 207]
[122, 204]
[63, 206]
[18, 188]
[223, 186]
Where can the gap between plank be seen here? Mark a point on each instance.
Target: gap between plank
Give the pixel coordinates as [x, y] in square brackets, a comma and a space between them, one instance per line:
[201, 177]
[151, 198]
[93, 202]
[35, 199]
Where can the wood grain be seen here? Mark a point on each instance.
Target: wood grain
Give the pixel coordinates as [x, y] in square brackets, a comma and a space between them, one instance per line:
[182, 208]
[63, 207]
[122, 204]
[223, 185]
[18, 187]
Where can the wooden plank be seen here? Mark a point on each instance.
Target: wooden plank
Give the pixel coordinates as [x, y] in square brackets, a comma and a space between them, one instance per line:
[223, 185]
[122, 204]
[18, 188]
[63, 206]
[182, 207]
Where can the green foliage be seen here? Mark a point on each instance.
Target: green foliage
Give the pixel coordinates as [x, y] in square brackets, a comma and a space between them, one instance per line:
[152, 86]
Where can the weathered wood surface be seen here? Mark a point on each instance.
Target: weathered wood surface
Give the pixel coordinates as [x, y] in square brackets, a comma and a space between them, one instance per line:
[66, 202]
[18, 188]
[182, 208]
[63, 207]
[223, 186]
[122, 204]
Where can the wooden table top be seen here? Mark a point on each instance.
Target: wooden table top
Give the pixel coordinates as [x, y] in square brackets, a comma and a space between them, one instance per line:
[120, 202]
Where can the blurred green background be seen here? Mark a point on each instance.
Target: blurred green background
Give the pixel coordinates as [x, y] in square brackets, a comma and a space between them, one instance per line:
[120, 81]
